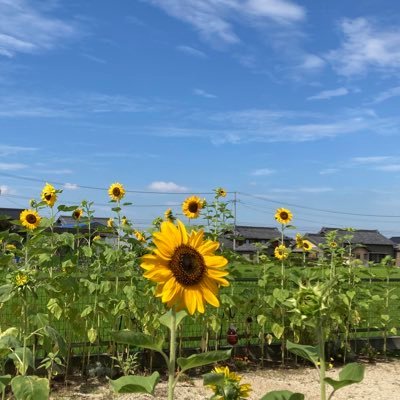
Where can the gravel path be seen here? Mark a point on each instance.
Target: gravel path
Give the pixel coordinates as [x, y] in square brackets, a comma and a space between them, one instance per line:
[381, 382]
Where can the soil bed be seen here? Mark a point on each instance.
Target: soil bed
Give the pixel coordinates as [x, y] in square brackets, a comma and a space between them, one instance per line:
[381, 382]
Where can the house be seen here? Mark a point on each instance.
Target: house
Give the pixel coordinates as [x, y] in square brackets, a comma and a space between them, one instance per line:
[368, 245]
[250, 241]
[396, 240]
[8, 214]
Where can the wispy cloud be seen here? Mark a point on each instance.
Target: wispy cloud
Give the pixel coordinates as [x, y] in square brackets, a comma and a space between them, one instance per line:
[93, 58]
[388, 167]
[6, 150]
[161, 186]
[387, 94]
[191, 51]
[12, 166]
[4, 189]
[203, 93]
[263, 172]
[312, 62]
[328, 171]
[31, 106]
[328, 94]
[366, 46]
[213, 19]
[71, 186]
[24, 29]
[370, 159]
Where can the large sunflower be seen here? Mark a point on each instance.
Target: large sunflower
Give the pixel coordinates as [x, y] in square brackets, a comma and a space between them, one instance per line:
[283, 215]
[116, 191]
[49, 194]
[281, 252]
[185, 268]
[30, 219]
[192, 206]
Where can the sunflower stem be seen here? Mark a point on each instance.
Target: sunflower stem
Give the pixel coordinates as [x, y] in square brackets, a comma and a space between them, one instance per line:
[172, 356]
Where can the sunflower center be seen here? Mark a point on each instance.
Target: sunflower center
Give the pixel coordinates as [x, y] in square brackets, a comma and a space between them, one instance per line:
[193, 207]
[48, 196]
[187, 265]
[284, 215]
[116, 191]
[31, 218]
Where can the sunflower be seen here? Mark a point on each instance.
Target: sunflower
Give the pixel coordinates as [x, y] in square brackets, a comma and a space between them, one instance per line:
[124, 221]
[168, 215]
[30, 219]
[299, 241]
[21, 279]
[220, 192]
[77, 214]
[231, 384]
[116, 191]
[307, 245]
[139, 236]
[96, 238]
[49, 194]
[333, 245]
[10, 247]
[110, 222]
[283, 215]
[185, 268]
[281, 252]
[192, 206]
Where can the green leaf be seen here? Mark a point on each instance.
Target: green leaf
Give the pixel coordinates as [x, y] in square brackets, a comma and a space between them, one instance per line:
[54, 308]
[198, 360]
[351, 373]
[135, 384]
[87, 251]
[138, 339]
[4, 381]
[18, 355]
[6, 292]
[39, 320]
[64, 208]
[30, 388]
[92, 335]
[86, 311]
[261, 319]
[166, 319]
[283, 395]
[56, 338]
[277, 330]
[213, 379]
[9, 341]
[309, 353]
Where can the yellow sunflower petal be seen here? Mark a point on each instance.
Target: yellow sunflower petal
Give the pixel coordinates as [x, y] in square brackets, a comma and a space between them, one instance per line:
[183, 233]
[208, 247]
[190, 301]
[215, 261]
[169, 230]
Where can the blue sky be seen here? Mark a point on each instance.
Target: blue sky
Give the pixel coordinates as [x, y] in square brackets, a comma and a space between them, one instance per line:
[285, 102]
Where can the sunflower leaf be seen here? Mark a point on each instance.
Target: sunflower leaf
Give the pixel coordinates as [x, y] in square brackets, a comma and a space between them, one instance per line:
[135, 384]
[283, 395]
[138, 339]
[309, 353]
[166, 319]
[198, 360]
[351, 373]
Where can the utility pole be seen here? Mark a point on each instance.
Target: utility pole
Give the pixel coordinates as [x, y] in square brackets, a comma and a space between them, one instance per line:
[234, 220]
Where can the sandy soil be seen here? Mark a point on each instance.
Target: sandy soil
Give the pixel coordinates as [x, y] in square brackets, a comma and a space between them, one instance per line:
[381, 382]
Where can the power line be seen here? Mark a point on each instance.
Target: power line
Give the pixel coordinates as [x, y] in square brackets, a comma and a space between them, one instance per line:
[317, 209]
[31, 179]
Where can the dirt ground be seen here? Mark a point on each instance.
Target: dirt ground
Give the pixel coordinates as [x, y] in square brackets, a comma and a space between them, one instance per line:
[381, 382]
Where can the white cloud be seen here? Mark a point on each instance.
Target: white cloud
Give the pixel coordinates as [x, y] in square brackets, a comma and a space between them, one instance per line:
[328, 171]
[6, 150]
[191, 51]
[388, 168]
[263, 172]
[12, 166]
[203, 93]
[161, 186]
[365, 46]
[387, 94]
[24, 29]
[71, 186]
[371, 159]
[213, 18]
[4, 189]
[328, 94]
[312, 62]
